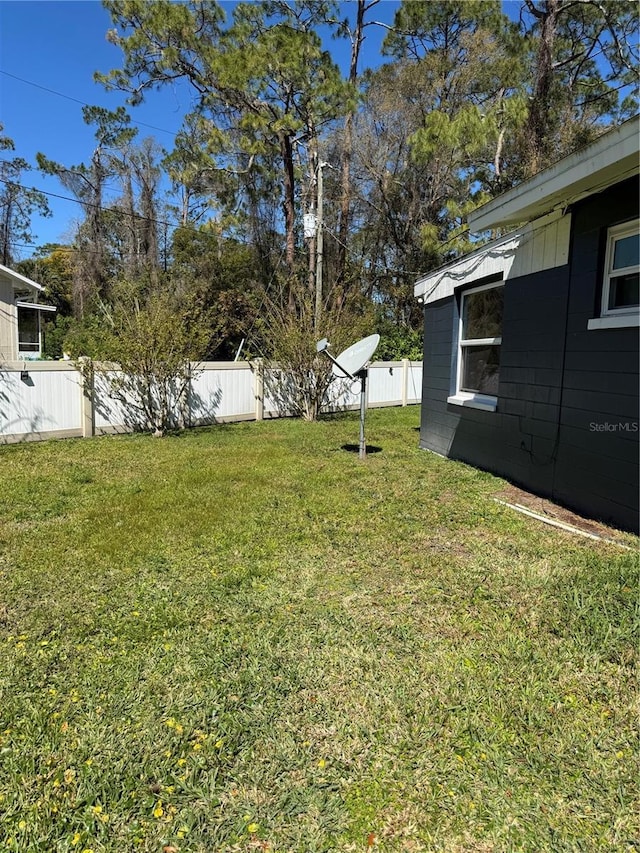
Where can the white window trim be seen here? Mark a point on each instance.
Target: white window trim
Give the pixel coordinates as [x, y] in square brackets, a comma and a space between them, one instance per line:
[470, 399]
[33, 306]
[623, 321]
[473, 401]
[616, 318]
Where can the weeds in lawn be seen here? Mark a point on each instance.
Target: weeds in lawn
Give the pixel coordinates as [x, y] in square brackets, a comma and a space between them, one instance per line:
[245, 639]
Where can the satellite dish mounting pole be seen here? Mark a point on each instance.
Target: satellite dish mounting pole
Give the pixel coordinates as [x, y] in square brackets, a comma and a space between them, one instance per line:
[362, 375]
[352, 363]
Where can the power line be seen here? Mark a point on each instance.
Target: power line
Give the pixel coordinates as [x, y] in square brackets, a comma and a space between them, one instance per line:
[117, 210]
[59, 247]
[121, 212]
[82, 103]
[6, 162]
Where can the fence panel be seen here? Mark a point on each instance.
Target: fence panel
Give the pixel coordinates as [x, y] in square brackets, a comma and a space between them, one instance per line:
[274, 386]
[110, 414]
[40, 400]
[385, 383]
[343, 394]
[414, 382]
[47, 399]
[222, 391]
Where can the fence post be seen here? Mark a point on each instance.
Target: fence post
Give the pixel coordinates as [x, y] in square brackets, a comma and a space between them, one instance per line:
[259, 388]
[184, 400]
[405, 381]
[87, 388]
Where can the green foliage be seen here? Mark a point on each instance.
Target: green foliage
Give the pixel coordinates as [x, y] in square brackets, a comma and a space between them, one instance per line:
[476, 106]
[52, 267]
[464, 133]
[423, 28]
[398, 342]
[150, 335]
[17, 203]
[582, 54]
[55, 332]
[112, 126]
[262, 82]
[289, 331]
[551, 85]
[87, 337]
[220, 277]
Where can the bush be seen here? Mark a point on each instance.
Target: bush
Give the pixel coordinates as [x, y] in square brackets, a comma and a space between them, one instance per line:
[153, 339]
[301, 378]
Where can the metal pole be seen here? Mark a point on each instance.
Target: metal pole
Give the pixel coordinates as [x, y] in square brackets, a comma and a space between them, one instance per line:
[319, 245]
[363, 403]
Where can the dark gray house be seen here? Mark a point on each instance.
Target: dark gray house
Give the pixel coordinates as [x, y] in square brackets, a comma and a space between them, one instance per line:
[531, 342]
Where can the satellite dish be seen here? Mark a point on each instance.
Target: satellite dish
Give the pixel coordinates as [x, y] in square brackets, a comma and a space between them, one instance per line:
[355, 357]
[352, 363]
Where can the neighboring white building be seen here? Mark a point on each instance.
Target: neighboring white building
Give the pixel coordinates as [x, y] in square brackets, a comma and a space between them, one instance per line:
[20, 316]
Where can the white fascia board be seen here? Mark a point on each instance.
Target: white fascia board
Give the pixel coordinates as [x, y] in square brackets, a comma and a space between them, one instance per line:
[610, 159]
[37, 306]
[18, 279]
[506, 256]
[490, 259]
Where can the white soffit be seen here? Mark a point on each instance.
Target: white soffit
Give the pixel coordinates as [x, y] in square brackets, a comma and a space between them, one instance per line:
[18, 279]
[537, 246]
[490, 259]
[613, 157]
[37, 306]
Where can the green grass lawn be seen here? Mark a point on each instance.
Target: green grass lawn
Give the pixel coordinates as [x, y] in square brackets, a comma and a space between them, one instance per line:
[244, 639]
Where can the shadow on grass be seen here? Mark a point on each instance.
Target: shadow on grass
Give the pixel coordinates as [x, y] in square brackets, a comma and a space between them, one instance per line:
[355, 448]
[341, 415]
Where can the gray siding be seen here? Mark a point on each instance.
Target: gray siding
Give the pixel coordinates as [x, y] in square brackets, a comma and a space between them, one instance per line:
[558, 382]
[597, 464]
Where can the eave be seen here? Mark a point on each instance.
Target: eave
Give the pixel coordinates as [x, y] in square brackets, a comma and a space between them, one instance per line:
[19, 280]
[610, 159]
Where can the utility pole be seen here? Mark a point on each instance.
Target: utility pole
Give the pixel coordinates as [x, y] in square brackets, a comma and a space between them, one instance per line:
[319, 245]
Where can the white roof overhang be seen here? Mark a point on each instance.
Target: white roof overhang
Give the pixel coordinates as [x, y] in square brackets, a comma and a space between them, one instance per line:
[18, 280]
[537, 246]
[35, 305]
[490, 259]
[609, 160]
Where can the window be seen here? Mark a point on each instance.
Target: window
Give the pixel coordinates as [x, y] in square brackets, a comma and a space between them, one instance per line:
[28, 331]
[621, 277]
[622, 270]
[480, 338]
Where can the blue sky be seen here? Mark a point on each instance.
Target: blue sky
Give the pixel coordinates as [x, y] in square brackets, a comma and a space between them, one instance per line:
[57, 46]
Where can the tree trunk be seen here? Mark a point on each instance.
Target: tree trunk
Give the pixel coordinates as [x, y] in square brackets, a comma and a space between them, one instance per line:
[313, 193]
[538, 122]
[6, 235]
[347, 151]
[131, 263]
[286, 148]
[149, 231]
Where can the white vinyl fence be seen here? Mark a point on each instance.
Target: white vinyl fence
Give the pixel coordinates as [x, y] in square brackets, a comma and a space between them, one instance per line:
[50, 399]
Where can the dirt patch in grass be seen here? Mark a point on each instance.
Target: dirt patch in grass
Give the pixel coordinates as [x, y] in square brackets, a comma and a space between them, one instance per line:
[547, 509]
